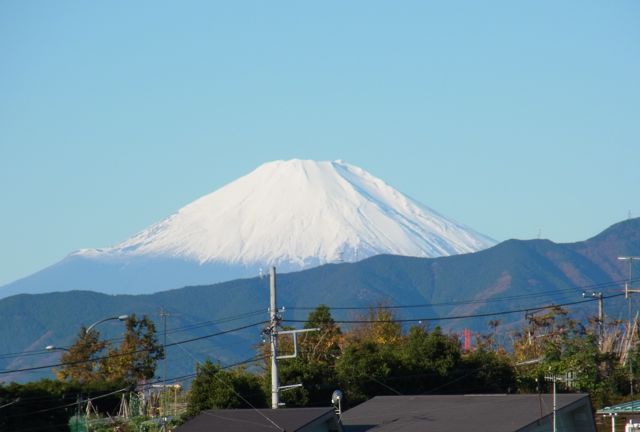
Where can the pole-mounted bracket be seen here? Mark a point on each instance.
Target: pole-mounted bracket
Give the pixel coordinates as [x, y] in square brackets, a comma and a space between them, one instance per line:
[295, 341]
[289, 387]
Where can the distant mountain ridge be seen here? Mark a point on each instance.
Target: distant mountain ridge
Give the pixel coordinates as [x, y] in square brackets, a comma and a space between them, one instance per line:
[292, 214]
[515, 274]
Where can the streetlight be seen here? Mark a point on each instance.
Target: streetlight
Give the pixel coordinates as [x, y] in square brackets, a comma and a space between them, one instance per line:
[88, 329]
[120, 318]
[55, 348]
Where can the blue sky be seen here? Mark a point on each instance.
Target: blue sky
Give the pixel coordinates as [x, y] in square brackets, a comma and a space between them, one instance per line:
[515, 118]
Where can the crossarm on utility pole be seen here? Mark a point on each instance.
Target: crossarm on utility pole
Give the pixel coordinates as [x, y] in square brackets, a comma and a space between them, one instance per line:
[295, 341]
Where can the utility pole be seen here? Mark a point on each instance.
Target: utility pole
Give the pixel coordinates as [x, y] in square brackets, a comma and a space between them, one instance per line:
[627, 284]
[78, 398]
[600, 297]
[163, 315]
[273, 324]
[627, 291]
[273, 332]
[555, 406]
[553, 378]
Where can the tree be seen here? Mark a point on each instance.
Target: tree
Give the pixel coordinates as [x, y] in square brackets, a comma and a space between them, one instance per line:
[216, 388]
[136, 357]
[379, 325]
[133, 360]
[364, 368]
[432, 351]
[314, 367]
[48, 404]
[323, 345]
[369, 355]
[486, 371]
[80, 363]
[428, 358]
[564, 346]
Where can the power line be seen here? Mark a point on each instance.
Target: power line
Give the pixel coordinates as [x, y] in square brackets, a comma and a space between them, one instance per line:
[193, 375]
[178, 343]
[23, 354]
[447, 318]
[336, 308]
[143, 387]
[129, 352]
[215, 322]
[253, 359]
[169, 331]
[15, 401]
[474, 301]
[217, 334]
[49, 426]
[80, 401]
[148, 384]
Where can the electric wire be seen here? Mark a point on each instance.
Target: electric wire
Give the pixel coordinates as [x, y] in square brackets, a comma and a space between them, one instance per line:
[458, 317]
[81, 401]
[169, 331]
[253, 359]
[10, 403]
[474, 301]
[142, 387]
[427, 319]
[236, 420]
[49, 426]
[217, 321]
[256, 358]
[336, 308]
[230, 387]
[153, 382]
[34, 368]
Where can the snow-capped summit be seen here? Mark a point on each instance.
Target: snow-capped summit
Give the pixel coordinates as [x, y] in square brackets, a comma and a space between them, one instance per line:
[300, 213]
[292, 214]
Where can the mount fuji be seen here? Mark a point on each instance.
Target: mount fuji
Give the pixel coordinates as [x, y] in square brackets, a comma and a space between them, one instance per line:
[292, 214]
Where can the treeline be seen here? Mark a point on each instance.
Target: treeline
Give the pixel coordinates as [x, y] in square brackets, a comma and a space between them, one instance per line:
[377, 356]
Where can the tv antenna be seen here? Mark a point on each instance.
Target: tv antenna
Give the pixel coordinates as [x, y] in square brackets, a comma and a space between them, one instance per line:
[567, 378]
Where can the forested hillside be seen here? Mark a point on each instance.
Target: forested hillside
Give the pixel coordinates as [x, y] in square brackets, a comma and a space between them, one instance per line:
[515, 275]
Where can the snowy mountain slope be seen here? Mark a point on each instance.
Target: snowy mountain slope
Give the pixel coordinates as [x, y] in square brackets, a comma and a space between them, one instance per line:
[301, 212]
[293, 214]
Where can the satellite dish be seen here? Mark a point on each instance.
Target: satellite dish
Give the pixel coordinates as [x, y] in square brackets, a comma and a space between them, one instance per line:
[336, 397]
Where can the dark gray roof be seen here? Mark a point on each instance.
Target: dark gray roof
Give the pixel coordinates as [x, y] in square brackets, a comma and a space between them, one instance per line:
[480, 413]
[257, 420]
